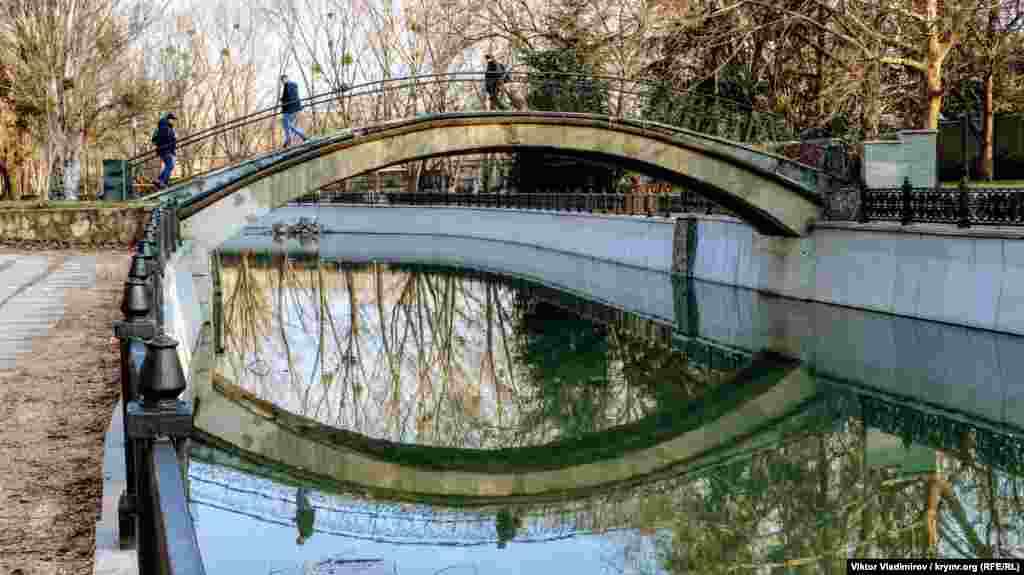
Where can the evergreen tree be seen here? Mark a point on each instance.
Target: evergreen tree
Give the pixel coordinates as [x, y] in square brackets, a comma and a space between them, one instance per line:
[564, 77]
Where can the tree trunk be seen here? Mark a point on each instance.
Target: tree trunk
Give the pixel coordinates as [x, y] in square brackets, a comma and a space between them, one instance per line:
[72, 164]
[872, 109]
[871, 114]
[935, 55]
[6, 191]
[986, 169]
[933, 87]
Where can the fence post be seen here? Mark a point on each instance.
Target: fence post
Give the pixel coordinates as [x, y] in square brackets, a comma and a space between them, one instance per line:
[964, 220]
[906, 190]
[217, 303]
[863, 214]
[135, 326]
[158, 417]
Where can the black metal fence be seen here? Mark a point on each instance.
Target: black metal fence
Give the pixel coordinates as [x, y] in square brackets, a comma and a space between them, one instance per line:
[626, 204]
[153, 515]
[963, 206]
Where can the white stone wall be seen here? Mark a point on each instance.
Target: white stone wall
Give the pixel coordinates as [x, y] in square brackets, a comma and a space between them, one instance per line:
[963, 279]
[640, 242]
[637, 290]
[930, 272]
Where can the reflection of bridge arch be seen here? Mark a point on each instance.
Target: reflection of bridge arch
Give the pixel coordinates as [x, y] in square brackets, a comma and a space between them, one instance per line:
[627, 455]
[739, 178]
[218, 486]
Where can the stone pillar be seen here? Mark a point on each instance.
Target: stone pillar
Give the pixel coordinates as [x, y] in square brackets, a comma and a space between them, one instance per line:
[684, 246]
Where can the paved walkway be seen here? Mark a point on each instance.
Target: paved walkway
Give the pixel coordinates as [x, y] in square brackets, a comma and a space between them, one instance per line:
[32, 297]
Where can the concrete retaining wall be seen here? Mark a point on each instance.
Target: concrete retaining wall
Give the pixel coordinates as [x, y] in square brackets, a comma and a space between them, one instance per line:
[964, 277]
[625, 240]
[930, 272]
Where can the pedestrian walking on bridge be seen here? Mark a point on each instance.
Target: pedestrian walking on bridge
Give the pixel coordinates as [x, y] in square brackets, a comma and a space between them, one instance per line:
[494, 79]
[291, 105]
[166, 143]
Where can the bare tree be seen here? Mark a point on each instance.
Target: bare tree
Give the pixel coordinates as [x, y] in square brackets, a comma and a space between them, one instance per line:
[66, 56]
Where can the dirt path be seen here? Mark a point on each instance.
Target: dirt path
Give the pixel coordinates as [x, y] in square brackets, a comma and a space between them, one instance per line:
[55, 405]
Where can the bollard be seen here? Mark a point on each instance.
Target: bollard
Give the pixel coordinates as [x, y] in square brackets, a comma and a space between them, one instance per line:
[136, 326]
[862, 215]
[905, 192]
[963, 208]
[165, 239]
[175, 226]
[158, 416]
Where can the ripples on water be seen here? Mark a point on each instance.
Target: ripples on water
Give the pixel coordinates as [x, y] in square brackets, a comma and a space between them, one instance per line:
[517, 377]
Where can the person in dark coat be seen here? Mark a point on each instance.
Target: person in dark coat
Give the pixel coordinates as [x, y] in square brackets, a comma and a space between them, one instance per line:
[291, 105]
[494, 77]
[305, 515]
[166, 143]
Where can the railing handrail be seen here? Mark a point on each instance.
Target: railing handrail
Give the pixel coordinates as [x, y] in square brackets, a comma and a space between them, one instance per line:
[963, 206]
[177, 545]
[391, 84]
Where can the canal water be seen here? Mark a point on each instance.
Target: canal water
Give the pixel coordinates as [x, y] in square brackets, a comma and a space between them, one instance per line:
[603, 436]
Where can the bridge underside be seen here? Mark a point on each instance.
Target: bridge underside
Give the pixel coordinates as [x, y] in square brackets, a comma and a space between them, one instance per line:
[774, 204]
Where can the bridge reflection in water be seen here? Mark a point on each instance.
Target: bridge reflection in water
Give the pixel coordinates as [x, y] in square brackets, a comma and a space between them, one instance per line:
[806, 463]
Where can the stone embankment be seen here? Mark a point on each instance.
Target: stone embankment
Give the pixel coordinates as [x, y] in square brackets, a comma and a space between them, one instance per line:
[72, 224]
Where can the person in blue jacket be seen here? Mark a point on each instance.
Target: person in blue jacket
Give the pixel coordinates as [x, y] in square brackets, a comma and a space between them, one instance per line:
[166, 147]
[291, 105]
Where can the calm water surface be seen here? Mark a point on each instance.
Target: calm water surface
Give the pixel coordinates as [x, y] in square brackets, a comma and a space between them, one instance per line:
[778, 444]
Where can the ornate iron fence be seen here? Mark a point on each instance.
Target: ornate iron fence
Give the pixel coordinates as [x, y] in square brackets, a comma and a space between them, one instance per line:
[626, 204]
[153, 511]
[402, 98]
[962, 206]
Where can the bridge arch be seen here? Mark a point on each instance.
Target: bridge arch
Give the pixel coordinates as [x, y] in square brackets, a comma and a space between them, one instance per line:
[729, 174]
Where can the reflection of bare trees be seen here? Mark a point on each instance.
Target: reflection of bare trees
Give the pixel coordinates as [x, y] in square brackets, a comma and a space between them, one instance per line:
[411, 356]
[246, 310]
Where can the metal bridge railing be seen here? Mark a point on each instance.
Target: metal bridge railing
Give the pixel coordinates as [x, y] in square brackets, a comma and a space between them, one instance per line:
[403, 98]
[153, 513]
[607, 203]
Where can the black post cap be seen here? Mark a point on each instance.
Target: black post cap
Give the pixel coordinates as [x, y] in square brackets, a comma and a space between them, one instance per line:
[135, 303]
[163, 379]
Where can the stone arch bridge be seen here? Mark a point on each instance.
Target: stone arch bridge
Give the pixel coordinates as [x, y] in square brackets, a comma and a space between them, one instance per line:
[775, 195]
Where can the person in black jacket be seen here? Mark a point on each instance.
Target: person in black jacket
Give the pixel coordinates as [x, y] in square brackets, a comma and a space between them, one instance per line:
[166, 146]
[291, 105]
[305, 515]
[494, 77]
